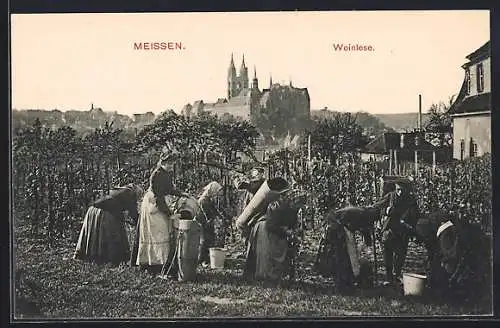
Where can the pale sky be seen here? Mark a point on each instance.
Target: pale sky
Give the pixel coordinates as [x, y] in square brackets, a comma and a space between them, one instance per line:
[68, 61]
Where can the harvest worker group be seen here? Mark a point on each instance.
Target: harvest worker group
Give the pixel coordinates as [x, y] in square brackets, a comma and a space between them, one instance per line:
[269, 220]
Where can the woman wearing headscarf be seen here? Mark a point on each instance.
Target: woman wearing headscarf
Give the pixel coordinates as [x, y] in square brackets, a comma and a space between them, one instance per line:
[269, 252]
[456, 249]
[399, 216]
[103, 238]
[155, 238]
[207, 217]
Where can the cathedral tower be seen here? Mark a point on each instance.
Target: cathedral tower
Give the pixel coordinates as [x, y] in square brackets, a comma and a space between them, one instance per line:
[232, 80]
[243, 74]
[237, 83]
[255, 81]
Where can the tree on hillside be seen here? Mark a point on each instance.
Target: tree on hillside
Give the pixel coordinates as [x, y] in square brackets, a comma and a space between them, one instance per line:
[439, 119]
[200, 134]
[371, 124]
[333, 135]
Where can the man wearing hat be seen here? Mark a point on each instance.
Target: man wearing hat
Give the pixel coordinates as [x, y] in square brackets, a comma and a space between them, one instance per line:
[399, 215]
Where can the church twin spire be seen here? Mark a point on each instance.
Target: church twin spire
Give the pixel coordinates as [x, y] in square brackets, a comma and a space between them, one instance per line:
[243, 78]
[232, 66]
[239, 82]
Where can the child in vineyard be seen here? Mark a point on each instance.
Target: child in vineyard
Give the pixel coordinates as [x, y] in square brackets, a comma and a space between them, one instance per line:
[103, 238]
[207, 217]
[155, 239]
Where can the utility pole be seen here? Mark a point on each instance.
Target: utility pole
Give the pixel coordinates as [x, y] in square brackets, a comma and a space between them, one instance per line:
[419, 129]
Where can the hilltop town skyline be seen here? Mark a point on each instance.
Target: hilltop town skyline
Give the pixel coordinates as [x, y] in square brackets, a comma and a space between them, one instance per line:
[69, 61]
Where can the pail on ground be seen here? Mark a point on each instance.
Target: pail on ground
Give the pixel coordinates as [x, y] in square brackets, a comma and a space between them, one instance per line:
[217, 257]
[413, 284]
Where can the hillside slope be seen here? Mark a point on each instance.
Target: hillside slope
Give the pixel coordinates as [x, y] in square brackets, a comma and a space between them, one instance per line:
[369, 122]
[401, 121]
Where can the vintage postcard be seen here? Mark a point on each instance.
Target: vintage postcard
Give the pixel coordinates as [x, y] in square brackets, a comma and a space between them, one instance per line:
[251, 165]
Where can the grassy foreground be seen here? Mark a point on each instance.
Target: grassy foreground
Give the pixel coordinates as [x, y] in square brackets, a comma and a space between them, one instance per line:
[57, 287]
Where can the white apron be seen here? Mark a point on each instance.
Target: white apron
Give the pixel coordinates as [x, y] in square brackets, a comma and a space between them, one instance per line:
[156, 233]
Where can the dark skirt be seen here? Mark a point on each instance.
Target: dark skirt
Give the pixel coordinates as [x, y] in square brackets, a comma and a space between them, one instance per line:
[337, 257]
[267, 254]
[103, 238]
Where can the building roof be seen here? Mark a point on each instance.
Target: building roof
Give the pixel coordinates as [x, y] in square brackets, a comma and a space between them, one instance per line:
[377, 146]
[237, 111]
[482, 51]
[381, 144]
[198, 103]
[304, 91]
[472, 104]
[461, 96]
[477, 103]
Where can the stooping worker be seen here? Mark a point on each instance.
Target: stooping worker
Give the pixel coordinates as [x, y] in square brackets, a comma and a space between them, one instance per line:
[399, 211]
[207, 217]
[103, 238]
[338, 254]
[269, 250]
[256, 179]
[155, 234]
[457, 250]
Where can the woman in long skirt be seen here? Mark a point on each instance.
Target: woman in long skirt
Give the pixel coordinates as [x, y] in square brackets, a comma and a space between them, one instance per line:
[155, 238]
[103, 238]
[268, 252]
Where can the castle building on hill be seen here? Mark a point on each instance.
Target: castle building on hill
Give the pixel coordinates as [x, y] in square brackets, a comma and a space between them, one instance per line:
[247, 101]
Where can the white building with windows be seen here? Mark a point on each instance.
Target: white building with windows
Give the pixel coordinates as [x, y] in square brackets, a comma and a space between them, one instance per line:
[471, 112]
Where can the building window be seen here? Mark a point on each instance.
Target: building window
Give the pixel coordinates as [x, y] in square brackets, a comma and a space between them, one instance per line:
[473, 148]
[467, 81]
[462, 149]
[480, 77]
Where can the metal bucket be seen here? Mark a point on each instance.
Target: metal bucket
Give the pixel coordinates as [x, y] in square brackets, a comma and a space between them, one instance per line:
[217, 258]
[414, 284]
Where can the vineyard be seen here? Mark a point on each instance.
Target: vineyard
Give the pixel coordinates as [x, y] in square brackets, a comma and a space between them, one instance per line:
[57, 173]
